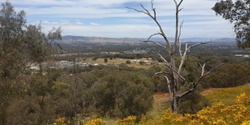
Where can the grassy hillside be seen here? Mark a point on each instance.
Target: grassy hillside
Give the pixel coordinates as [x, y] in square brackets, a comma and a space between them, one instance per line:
[227, 95]
[230, 106]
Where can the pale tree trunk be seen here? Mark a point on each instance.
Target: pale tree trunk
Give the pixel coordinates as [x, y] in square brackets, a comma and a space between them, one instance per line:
[175, 85]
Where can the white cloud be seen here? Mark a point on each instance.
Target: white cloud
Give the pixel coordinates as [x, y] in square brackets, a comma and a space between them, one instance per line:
[46, 22]
[139, 31]
[117, 21]
[78, 22]
[94, 24]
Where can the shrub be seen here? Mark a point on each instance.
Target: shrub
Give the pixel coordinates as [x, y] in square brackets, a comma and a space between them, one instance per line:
[121, 94]
[192, 103]
[97, 121]
[128, 62]
[130, 120]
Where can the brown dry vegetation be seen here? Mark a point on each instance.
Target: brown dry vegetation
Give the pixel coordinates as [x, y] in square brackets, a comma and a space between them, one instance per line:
[160, 104]
[119, 61]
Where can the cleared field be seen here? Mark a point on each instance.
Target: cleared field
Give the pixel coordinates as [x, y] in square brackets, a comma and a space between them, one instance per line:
[118, 61]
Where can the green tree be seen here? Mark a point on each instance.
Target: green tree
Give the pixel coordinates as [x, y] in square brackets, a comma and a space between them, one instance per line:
[237, 12]
[120, 94]
[11, 41]
[12, 61]
[20, 45]
[38, 45]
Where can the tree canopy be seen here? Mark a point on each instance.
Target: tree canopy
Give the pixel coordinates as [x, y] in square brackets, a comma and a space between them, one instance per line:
[20, 45]
[238, 13]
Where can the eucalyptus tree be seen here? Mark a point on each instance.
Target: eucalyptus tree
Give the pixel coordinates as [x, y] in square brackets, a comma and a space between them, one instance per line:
[173, 75]
[238, 13]
[20, 44]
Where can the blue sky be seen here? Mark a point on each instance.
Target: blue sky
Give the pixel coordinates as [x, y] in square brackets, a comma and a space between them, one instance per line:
[110, 18]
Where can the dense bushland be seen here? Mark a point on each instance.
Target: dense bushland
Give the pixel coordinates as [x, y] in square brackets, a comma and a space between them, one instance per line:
[101, 91]
[229, 75]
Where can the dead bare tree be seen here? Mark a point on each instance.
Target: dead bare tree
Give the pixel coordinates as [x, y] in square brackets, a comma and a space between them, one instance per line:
[174, 50]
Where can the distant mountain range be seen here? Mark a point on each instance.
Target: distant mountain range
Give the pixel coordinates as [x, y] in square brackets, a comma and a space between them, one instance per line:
[104, 40]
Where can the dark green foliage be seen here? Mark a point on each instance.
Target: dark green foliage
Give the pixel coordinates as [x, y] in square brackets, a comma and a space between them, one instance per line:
[237, 12]
[36, 44]
[122, 93]
[128, 62]
[105, 91]
[41, 101]
[228, 75]
[20, 45]
[193, 102]
[211, 59]
[105, 60]
[3, 116]
[11, 41]
[12, 57]
[159, 83]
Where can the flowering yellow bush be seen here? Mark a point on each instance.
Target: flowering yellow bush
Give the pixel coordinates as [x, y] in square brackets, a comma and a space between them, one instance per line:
[218, 114]
[97, 121]
[61, 121]
[130, 120]
[246, 122]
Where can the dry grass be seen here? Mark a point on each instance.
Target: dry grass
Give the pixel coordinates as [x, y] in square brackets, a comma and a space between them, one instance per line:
[207, 91]
[161, 103]
[121, 61]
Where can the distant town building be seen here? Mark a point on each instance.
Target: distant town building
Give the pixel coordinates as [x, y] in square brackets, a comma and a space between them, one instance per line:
[136, 52]
[241, 55]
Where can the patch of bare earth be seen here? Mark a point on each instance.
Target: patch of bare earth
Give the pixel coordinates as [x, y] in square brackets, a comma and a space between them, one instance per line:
[207, 91]
[161, 103]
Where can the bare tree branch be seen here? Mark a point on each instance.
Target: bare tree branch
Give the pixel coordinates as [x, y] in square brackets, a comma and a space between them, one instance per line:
[168, 65]
[140, 11]
[152, 8]
[198, 44]
[183, 58]
[184, 55]
[157, 44]
[146, 11]
[213, 69]
[162, 33]
[177, 30]
[169, 88]
[178, 4]
[180, 51]
[179, 36]
[153, 35]
[185, 93]
[179, 75]
[164, 60]
[158, 73]
[203, 74]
